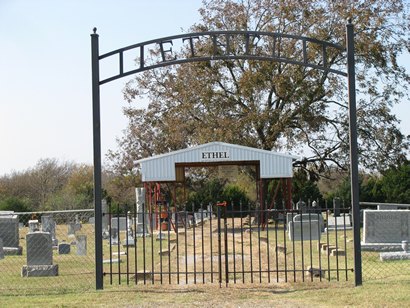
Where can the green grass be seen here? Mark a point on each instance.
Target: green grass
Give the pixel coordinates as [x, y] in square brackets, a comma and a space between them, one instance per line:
[388, 293]
[385, 283]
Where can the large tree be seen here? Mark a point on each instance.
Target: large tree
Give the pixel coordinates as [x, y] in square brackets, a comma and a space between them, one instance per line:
[273, 105]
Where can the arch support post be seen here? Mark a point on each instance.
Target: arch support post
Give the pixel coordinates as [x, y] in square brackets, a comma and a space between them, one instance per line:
[354, 169]
[97, 160]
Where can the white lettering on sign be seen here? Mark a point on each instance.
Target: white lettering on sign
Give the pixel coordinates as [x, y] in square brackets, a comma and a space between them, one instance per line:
[215, 156]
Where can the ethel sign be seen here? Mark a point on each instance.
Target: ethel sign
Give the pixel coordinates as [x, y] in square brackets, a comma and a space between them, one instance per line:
[215, 156]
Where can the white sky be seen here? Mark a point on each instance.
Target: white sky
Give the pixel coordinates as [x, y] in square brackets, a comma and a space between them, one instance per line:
[45, 72]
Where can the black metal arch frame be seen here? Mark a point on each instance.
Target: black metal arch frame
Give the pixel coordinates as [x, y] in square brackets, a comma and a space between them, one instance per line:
[222, 49]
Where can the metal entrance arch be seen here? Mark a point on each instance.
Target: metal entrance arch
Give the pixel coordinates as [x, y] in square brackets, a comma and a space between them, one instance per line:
[221, 42]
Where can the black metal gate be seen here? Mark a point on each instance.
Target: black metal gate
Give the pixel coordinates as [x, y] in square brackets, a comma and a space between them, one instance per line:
[225, 246]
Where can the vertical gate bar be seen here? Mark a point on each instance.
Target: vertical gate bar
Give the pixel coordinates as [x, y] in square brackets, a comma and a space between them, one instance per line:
[344, 244]
[95, 69]
[310, 244]
[267, 241]
[155, 211]
[119, 242]
[186, 244]
[285, 249]
[354, 172]
[194, 240]
[233, 243]
[160, 209]
[135, 244]
[126, 243]
[293, 248]
[219, 247]
[110, 240]
[250, 242]
[327, 245]
[337, 248]
[261, 221]
[276, 251]
[303, 251]
[226, 247]
[210, 244]
[144, 227]
[319, 246]
[177, 220]
[243, 258]
[202, 243]
[169, 220]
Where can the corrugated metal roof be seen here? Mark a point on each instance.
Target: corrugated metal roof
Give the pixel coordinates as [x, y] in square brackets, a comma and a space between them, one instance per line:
[162, 167]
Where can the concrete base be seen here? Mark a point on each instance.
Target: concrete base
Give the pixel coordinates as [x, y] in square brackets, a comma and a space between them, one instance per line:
[399, 255]
[39, 270]
[381, 246]
[13, 251]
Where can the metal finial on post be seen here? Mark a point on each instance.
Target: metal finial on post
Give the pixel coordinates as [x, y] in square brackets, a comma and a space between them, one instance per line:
[95, 30]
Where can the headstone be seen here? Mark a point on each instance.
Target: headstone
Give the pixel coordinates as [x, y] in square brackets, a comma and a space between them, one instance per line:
[387, 226]
[39, 248]
[304, 231]
[301, 206]
[9, 232]
[381, 207]
[105, 215]
[48, 225]
[81, 245]
[336, 207]
[119, 223]
[114, 236]
[70, 229]
[91, 220]
[39, 255]
[309, 217]
[1, 249]
[142, 223]
[64, 248]
[33, 226]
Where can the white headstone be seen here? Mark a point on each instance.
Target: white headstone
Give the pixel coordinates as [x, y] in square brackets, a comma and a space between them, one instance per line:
[304, 231]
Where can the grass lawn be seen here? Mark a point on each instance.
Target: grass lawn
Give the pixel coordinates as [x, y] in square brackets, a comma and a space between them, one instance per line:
[388, 293]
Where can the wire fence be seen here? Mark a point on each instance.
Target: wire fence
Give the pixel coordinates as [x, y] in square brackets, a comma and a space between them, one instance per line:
[54, 252]
[47, 252]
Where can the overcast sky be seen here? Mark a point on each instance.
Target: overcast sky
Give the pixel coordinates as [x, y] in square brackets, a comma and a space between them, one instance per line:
[45, 72]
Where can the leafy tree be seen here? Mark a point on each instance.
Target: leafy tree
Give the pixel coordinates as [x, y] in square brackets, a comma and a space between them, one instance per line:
[396, 184]
[15, 204]
[279, 106]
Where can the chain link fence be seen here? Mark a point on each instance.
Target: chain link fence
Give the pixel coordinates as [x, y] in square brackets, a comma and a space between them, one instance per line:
[385, 238]
[47, 252]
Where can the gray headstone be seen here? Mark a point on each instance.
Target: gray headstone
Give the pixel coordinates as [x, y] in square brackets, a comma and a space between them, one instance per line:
[381, 207]
[120, 223]
[310, 216]
[71, 228]
[48, 225]
[81, 245]
[304, 231]
[9, 229]
[39, 248]
[1, 249]
[387, 226]
[105, 215]
[114, 236]
[336, 207]
[64, 248]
